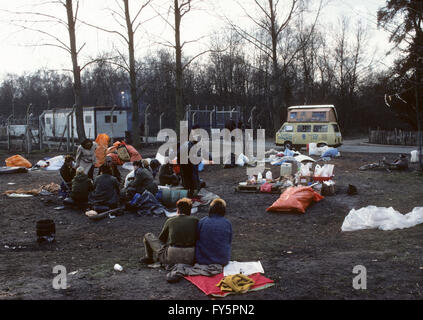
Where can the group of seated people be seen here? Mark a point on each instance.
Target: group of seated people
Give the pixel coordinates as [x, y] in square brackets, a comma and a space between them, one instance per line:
[185, 239]
[104, 192]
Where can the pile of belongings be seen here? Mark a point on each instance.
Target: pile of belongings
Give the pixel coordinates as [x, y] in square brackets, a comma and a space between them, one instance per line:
[295, 199]
[236, 278]
[277, 158]
[372, 217]
[43, 190]
[325, 152]
[121, 152]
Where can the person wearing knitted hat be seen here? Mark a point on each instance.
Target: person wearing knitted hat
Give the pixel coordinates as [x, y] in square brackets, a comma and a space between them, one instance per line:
[214, 236]
[176, 242]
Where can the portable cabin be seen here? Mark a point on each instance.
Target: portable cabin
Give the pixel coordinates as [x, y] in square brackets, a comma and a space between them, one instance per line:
[109, 120]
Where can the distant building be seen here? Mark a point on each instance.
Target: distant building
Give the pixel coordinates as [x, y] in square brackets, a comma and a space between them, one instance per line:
[97, 120]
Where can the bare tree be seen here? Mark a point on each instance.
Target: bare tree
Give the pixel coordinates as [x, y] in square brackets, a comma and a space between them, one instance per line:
[271, 22]
[52, 39]
[131, 26]
[179, 9]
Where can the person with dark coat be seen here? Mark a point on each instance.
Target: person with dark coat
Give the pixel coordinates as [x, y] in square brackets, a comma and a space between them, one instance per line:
[167, 175]
[67, 172]
[113, 167]
[106, 190]
[189, 173]
[143, 179]
[81, 187]
[155, 167]
[214, 236]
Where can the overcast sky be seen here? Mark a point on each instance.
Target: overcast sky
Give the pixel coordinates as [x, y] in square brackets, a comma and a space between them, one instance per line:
[20, 51]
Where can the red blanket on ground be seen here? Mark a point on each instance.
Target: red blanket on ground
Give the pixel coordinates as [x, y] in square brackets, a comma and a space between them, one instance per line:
[208, 284]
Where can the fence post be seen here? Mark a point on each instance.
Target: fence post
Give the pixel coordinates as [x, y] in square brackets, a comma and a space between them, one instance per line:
[28, 130]
[161, 121]
[146, 114]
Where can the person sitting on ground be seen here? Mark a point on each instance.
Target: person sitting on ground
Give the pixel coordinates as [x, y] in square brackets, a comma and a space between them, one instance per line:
[167, 175]
[86, 157]
[399, 164]
[113, 167]
[214, 236]
[176, 242]
[81, 187]
[106, 191]
[143, 179]
[67, 172]
[155, 167]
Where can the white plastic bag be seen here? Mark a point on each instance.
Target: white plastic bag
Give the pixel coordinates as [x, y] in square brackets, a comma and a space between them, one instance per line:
[129, 177]
[318, 170]
[55, 163]
[381, 218]
[414, 156]
[327, 170]
[305, 169]
[242, 160]
[269, 175]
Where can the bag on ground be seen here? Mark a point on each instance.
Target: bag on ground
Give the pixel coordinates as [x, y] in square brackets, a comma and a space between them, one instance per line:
[295, 199]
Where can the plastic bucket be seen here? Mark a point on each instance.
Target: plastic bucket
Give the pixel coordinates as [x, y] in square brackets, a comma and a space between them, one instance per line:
[171, 196]
[45, 230]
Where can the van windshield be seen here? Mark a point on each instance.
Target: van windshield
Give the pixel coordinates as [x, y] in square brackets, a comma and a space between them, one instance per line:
[335, 127]
[288, 129]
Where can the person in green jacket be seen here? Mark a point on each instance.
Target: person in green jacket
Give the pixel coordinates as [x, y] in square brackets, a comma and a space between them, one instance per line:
[176, 242]
[81, 187]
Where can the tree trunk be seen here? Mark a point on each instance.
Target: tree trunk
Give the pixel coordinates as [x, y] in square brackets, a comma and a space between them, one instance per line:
[132, 79]
[77, 87]
[178, 71]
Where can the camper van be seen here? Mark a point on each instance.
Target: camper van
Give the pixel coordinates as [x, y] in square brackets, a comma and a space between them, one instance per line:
[307, 124]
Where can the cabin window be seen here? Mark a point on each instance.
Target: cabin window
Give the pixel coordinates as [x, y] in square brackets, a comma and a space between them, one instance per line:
[303, 128]
[293, 115]
[48, 120]
[319, 116]
[88, 119]
[107, 119]
[319, 128]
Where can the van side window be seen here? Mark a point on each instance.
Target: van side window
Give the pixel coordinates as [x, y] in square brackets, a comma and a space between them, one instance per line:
[88, 119]
[293, 115]
[335, 127]
[320, 128]
[303, 128]
[319, 116]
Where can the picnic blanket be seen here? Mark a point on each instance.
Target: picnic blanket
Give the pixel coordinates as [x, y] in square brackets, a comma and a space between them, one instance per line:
[209, 285]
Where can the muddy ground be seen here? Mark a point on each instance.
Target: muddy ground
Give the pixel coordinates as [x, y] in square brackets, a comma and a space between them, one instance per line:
[319, 266]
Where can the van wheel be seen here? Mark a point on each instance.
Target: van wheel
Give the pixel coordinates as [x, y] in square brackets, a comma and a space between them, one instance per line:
[288, 144]
[322, 144]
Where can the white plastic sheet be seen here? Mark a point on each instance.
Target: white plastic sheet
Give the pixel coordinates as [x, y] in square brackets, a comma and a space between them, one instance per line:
[245, 268]
[381, 218]
[55, 163]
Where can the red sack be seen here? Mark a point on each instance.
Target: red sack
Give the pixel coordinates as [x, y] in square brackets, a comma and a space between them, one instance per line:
[267, 187]
[295, 199]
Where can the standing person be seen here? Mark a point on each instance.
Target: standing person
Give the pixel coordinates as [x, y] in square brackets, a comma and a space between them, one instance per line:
[176, 242]
[67, 172]
[86, 158]
[214, 236]
[189, 172]
[106, 190]
[81, 187]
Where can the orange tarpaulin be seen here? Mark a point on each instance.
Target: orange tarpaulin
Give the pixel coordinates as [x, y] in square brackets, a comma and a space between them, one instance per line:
[102, 141]
[295, 199]
[18, 161]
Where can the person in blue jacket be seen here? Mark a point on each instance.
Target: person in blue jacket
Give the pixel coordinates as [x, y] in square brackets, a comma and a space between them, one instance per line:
[214, 236]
